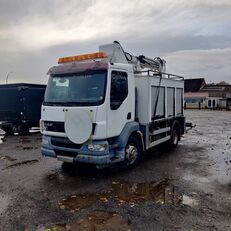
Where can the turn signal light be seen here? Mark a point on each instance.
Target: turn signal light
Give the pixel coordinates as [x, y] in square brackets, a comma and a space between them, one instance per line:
[97, 55]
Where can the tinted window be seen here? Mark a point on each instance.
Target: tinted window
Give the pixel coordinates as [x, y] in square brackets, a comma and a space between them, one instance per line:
[119, 88]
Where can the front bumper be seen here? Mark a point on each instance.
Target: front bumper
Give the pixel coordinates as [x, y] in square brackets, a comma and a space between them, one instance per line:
[64, 150]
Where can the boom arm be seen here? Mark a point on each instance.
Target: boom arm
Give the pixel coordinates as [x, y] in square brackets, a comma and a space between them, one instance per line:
[117, 54]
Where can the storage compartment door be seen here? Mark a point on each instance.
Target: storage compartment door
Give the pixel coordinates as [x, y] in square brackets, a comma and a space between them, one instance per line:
[10, 104]
[179, 101]
[160, 109]
[32, 99]
[170, 101]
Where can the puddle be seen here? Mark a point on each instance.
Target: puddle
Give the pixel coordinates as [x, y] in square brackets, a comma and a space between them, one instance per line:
[97, 221]
[7, 158]
[21, 163]
[162, 192]
[4, 202]
[76, 202]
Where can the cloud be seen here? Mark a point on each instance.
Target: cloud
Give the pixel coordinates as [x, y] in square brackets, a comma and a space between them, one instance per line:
[213, 64]
[33, 34]
[47, 23]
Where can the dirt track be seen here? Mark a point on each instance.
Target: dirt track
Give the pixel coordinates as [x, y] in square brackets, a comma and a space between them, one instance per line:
[187, 189]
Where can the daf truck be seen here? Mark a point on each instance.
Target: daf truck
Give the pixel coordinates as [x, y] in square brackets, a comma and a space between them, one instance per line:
[110, 107]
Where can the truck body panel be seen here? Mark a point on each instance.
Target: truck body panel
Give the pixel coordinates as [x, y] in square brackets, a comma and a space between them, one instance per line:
[169, 101]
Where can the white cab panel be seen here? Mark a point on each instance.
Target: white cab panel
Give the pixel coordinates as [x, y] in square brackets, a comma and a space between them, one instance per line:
[97, 115]
[118, 118]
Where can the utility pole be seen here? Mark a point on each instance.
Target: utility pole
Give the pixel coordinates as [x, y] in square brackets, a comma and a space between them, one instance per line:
[7, 76]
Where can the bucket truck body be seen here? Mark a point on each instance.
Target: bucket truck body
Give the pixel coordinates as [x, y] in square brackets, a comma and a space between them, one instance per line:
[109, 107]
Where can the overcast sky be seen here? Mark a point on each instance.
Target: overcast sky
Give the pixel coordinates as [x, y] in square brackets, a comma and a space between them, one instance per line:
[194, 36]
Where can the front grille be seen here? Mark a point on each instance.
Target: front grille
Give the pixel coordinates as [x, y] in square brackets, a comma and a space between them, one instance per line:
[65, 153]
[52, 126]
[64, 142]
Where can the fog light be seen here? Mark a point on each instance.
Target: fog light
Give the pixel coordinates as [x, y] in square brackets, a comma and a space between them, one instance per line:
[97, 147]
[41, 123]
[45, 141]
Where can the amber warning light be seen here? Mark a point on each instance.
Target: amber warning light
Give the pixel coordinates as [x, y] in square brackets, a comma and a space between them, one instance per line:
[97, 55]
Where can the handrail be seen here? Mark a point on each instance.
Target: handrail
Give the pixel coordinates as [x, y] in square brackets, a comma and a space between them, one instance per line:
[169, 75]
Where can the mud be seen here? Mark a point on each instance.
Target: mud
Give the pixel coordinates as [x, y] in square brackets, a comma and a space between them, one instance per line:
[25, 162]
[8, 158]
[4, 202]
[186, 189]
[27, 148]
[24, 140]
[95, 221]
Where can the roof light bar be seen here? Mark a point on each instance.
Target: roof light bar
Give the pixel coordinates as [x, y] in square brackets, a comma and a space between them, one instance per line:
[97, 55]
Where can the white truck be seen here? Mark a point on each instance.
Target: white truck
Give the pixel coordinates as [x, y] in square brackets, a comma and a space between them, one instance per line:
[109, 107]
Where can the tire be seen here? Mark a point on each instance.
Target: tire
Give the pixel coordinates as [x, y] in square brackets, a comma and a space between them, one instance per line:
[132, 153]
[8, 130]
[23, 129]
[175, 136]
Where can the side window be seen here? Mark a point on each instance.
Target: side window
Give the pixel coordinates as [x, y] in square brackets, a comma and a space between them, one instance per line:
[119, 88]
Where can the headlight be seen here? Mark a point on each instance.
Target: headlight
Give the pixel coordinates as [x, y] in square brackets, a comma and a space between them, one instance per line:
[97, 147]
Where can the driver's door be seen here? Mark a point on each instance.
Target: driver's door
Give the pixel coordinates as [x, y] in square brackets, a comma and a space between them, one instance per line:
[121, 106]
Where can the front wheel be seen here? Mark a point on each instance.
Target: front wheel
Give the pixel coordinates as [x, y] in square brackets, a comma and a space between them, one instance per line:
[132, 153]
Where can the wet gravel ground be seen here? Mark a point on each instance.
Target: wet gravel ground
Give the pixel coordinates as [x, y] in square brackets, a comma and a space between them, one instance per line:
[186, 189]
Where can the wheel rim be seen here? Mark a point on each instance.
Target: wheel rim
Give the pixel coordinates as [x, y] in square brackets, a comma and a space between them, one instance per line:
[131, 153]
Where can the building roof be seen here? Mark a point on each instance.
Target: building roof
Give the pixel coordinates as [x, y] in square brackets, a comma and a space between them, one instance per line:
[217, 87]
[194, 85]
[196, 95]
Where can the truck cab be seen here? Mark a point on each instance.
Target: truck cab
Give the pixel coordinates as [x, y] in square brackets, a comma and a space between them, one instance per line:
[90, 112]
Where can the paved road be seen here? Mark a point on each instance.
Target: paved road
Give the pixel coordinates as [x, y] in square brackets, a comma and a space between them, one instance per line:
[187, 189]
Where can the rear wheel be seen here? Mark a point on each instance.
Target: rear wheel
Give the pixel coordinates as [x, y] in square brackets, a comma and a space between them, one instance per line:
[132, 153]
[8, 129]
[23, 129]
[175, 136]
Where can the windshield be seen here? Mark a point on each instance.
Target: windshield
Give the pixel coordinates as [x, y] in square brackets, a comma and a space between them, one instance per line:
[81, 89]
